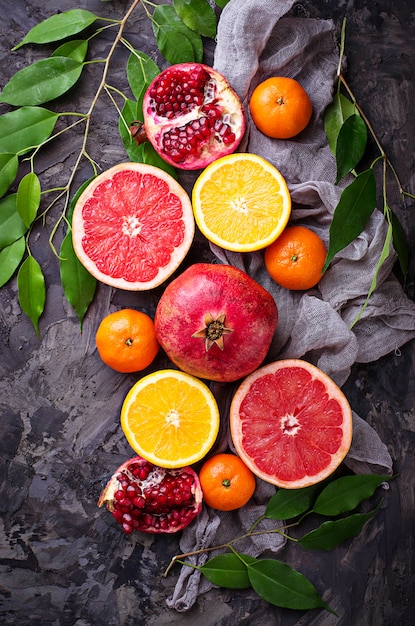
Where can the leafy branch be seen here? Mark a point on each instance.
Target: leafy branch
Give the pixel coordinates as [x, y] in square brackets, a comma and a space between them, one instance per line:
[347, 128]
[273, 580]
[27, 129]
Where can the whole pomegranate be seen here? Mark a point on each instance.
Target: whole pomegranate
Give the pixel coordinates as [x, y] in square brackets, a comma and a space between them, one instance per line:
[142, 496]
[192, 116]
[216, 322]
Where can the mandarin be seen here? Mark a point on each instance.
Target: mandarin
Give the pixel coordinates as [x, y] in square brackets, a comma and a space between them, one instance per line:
[227, 483]
[295, 260]
[280, 107]
[126, 340]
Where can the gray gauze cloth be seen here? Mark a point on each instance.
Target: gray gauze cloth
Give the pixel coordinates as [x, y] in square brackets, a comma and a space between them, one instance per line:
[257, 39]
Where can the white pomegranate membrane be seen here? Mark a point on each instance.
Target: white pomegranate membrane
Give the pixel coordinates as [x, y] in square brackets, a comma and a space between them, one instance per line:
[192, 116]
[151, 499]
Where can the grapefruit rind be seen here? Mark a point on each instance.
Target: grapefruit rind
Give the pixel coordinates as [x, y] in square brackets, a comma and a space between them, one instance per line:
[168, 431]
[242, 425]
[178, 253]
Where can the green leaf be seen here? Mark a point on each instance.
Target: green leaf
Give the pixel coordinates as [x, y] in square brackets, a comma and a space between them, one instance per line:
[10, 258]
[28, 198]
[281, 585]
[198, 15]
[75, 49]
[228, 570]
[382, 258]
[329, 534]
[173, 45]
[31, 290]
[334, 117]
[399, 243]
[150, 156]
[352, 213]
[129, 114]
[42, 81]
[288, 503]
[346, 493]
[9, 164]
[350, 145]
[12, 226]
[76, 197]
[78, 284]
[221, 3]
[59, 26]
[25, 128]
[140, 72]
[165, 16]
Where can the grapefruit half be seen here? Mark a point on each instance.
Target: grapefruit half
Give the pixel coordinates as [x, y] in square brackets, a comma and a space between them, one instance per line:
[290, 423]
[133, 226]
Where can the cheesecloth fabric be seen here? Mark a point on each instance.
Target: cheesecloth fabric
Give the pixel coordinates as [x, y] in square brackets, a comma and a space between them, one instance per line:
[257, 39]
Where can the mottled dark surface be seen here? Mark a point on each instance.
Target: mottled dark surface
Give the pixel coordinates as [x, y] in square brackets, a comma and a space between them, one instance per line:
[63, 561]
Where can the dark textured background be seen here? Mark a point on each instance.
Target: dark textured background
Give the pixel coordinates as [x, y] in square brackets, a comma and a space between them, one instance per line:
[63, 561]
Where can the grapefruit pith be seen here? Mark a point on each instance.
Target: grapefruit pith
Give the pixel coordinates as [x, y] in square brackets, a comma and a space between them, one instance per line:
[132, 226]
[290, 423]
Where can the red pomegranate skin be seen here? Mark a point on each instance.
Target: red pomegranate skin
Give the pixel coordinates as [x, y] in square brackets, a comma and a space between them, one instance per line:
[209, 290]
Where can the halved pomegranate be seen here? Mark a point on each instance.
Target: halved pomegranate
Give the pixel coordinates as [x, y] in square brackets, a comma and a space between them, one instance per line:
[192, 116]
[142, 496]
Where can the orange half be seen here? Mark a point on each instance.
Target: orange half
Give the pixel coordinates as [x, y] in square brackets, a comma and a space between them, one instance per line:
[241, 202]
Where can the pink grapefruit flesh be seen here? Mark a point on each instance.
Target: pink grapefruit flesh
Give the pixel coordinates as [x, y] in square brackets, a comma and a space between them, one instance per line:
[133, 226]
[291, 424]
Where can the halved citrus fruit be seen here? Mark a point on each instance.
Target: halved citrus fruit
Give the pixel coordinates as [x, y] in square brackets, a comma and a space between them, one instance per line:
[241, 202]
[170, 418]
[132, 226]
[291, 424]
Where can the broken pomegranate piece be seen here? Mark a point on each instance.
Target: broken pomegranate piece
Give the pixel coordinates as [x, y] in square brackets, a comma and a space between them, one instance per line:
[151, 499]
[192, 116]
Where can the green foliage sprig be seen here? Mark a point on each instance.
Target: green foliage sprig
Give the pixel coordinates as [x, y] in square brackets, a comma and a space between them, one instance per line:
[273, 580]
[347, 129]
[178, 30]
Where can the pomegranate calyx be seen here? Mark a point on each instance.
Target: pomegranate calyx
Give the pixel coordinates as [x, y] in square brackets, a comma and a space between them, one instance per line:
[213, 331]
[138, 132]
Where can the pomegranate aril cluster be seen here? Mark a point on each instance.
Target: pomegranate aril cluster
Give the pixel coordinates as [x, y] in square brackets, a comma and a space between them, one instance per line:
[151, 499]
[178, 92]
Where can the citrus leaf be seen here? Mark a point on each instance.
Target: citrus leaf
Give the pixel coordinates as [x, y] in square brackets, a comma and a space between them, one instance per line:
[346, 493]
[334, 117]
[78, 284]
[173, 45]
[228, 570]
[31, 290]
[329, 534]
[221, 3]
[12, 226]
[28, 198]
[42, 81]
[76, 196]
[281, 585]
[150, 156]
[288, 503]
[9, 164]
[382, 258]
[165, 15]
[198, 15]
[350, 145]
[59, 26]
[130, 113]
[352, 213]
[75, 49]
[399, 243]
[25, 128]
[10, 258]
[140, 72]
